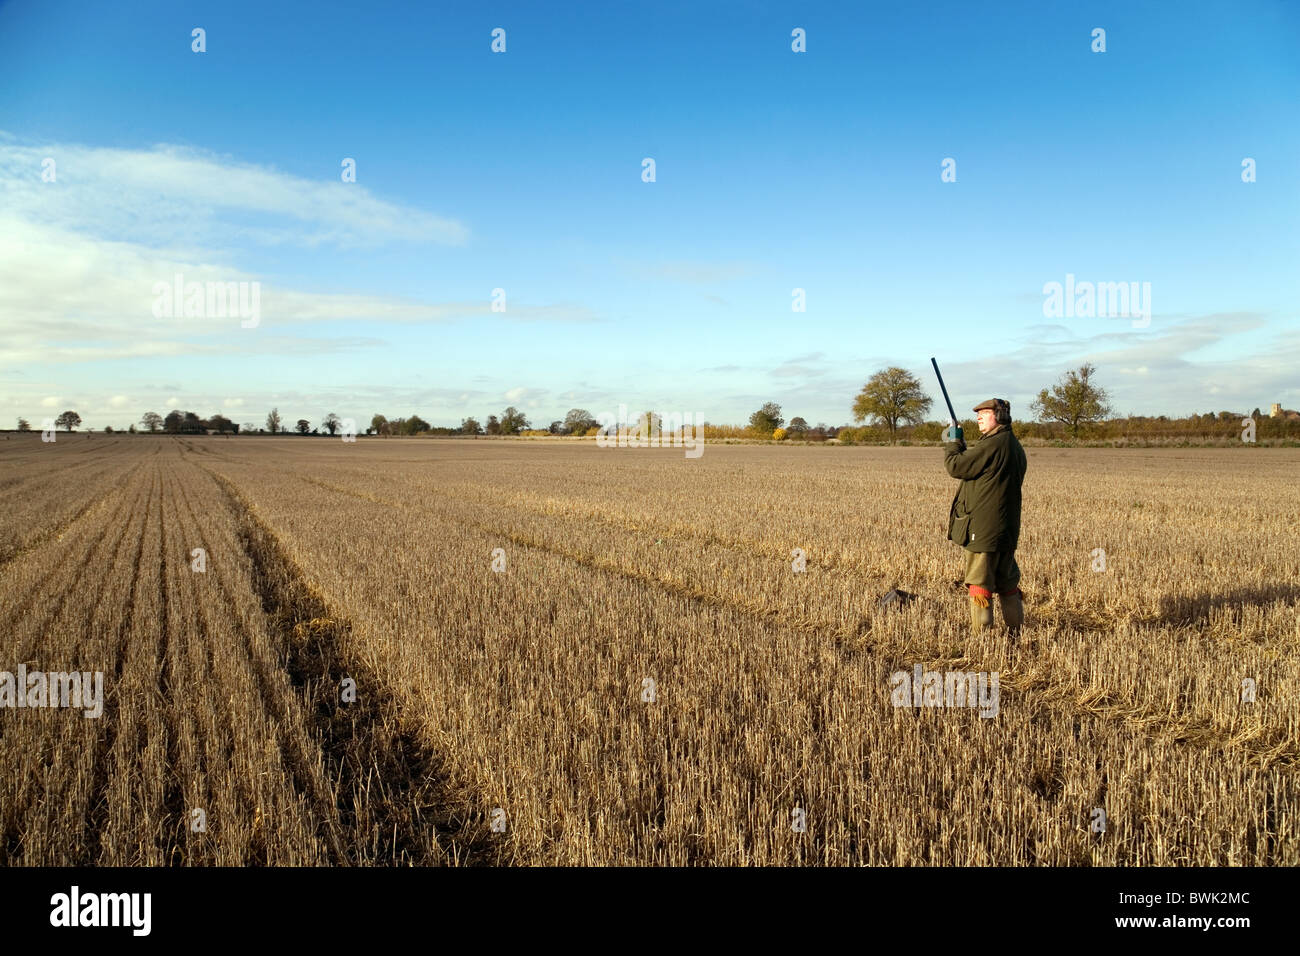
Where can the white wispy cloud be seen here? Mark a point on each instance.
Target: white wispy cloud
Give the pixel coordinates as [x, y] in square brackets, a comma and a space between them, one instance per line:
[81, 257]
[1153, 371]
[811, 365]
[180, 195]
[689, 271]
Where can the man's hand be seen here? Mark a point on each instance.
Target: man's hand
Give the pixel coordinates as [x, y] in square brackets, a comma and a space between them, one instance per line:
[953, 434]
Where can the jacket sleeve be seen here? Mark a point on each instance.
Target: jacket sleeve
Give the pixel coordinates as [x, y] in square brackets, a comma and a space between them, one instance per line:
[969, 463]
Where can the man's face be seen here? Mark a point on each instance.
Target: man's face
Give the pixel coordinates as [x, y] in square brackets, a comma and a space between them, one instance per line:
[986, 420]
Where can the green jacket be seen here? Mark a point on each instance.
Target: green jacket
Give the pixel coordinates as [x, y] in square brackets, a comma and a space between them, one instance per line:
[985, 513]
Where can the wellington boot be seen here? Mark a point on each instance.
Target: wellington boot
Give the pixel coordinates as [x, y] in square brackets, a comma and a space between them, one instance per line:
[1013, 611]
[981, 615]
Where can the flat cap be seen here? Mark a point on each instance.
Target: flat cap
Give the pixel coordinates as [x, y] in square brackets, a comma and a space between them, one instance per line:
[991, 403]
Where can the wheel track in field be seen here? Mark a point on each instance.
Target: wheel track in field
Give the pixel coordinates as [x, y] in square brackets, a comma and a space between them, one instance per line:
[219, 752]
[98, 806]
[278, 702]
[203, 635]
[1150, 721]
[683, 589]
[168, 687]
[96, 447]
[364, 743]
[646, 525]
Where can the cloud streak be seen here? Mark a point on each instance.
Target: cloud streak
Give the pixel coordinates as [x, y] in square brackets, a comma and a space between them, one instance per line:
[176, 194]
[689, 271]
[80, 257]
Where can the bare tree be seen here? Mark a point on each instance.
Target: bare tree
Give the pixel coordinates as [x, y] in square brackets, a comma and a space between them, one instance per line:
[1074, 401]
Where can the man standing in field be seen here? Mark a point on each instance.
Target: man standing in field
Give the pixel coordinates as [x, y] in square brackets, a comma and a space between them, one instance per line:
[985, 514]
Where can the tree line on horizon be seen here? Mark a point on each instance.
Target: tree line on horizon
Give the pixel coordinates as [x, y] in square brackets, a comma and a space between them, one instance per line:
[892, 404]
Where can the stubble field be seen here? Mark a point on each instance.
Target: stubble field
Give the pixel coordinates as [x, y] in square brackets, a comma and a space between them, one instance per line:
[639, 675]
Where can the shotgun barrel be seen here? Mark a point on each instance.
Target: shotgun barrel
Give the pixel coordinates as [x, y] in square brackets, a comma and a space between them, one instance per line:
[947, 401]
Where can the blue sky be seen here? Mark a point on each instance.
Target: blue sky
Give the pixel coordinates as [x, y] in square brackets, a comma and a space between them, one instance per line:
[521, 170]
